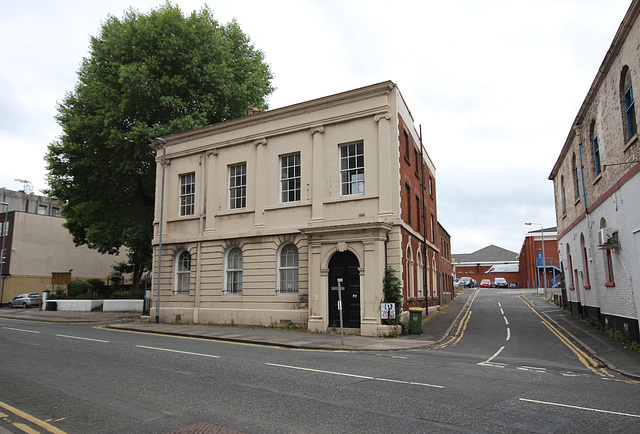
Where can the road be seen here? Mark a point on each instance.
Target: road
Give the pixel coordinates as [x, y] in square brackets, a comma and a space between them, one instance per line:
[504, 369]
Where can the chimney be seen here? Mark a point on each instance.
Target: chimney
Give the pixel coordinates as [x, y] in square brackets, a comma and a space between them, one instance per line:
[252, 110]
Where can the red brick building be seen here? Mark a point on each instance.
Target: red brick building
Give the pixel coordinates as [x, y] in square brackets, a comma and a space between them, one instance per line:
[532, 270]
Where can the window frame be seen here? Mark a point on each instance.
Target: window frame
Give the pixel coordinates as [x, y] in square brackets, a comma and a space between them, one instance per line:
[238, 186]
[596, 156]
[286, 178]
[187, 195]
[182, 273]
[233, 276]
[350, 186]
[293, 269]
[630, 112]
[610, 280]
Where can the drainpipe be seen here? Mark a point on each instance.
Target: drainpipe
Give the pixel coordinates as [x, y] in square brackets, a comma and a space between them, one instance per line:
[424, 221]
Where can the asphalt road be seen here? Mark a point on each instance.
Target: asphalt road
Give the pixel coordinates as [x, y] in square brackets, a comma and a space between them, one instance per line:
[502, 370]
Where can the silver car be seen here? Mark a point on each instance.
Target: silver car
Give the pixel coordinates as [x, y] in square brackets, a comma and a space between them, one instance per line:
[25, 300]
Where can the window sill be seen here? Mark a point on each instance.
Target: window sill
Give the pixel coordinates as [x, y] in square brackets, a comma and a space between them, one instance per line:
[632, 141]
[598, 178]
[577, 201]
[587, 286]
[610, 284]
[407, 160]
[183, 218]
[572, 288]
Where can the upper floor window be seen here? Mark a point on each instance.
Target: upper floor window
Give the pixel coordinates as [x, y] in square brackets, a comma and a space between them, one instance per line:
[290, 178]
[576, 180]
[42, 209]
[238, 186]
[352, 169]
[629, 105]
[187, 194]
[55, 211]
[233, 266]
[596, 155]
[288, 269]
[183, 273]
[563, 196]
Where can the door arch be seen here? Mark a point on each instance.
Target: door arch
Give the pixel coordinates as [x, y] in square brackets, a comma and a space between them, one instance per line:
[344, 265]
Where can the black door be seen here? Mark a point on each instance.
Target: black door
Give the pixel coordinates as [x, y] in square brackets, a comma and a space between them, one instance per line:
[344, 265]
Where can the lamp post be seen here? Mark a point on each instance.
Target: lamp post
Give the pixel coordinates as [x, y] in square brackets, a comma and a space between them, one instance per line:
[164, 164]
[544, 260]
[5, 230]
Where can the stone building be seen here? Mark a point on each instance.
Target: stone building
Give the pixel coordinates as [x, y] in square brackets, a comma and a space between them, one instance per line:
[597, 185]
[266, 216]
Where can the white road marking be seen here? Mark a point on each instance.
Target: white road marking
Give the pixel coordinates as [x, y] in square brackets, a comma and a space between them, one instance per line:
[556, 404]
[20, 330]
[508, 333]
[489, 362]
[501, 311]
[532, 368]
[178, 351]
[506, 321]
[81, 338]
[364, 377]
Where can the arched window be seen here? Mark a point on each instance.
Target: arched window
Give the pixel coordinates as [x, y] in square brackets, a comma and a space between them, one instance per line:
[233, 273]
[628, 104]
[288, 269]
[410, 271]
[434, 278]
[585, 259]
[420, 270]
[563, 195]
[576, 180]
[183, 273]
[596, 148]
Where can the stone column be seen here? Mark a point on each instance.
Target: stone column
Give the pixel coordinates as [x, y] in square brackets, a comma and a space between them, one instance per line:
[317, 165]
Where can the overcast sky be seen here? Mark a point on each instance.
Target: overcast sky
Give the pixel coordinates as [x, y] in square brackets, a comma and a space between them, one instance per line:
[494, 84]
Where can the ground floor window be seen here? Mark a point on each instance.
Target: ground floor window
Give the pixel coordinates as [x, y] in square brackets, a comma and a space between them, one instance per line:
[233, 266]
[288, 268]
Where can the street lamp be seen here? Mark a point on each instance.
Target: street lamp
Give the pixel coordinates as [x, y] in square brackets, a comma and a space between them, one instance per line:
[544, 260]
[164, 163]
[5, 230]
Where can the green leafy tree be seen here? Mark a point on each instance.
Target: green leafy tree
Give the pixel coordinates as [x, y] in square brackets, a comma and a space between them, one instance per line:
[392, 290]
[146, 76]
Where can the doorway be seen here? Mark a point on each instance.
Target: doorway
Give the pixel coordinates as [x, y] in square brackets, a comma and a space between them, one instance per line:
[344, 265]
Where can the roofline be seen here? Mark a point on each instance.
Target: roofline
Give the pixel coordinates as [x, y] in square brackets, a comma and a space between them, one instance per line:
[605, 67]
[384, 87]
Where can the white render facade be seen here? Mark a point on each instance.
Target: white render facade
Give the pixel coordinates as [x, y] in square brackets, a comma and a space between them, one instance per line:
[264, 214]
[597, 187]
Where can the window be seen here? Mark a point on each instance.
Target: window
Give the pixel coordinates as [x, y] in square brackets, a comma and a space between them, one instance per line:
[187, 193]
[433, 228]
[352, 169]
[630, 111]
[571, 282]
[5, 227]
[408, 194]
[563, 196]
[431, 186]
[290, 178]
[55, 211]
[407, 146]
[611, 281]
[419, 274]
[587, 282]
[288, 268]
[42, 209]
[234, 271]
[576, 180]
[596, 155]
[183, 273]
[238, 186]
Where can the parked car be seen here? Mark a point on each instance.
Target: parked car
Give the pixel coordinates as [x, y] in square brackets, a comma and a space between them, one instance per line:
[485, 283]
[501, 282]
[466, 282]
[25, 300]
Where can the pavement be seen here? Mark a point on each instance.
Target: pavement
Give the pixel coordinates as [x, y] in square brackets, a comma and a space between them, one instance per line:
[436, 327]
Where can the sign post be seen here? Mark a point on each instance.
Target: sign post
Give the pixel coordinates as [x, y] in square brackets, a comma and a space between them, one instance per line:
[340, 309]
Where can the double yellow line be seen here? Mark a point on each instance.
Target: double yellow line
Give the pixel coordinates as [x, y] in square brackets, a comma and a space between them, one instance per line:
[584, 358]
[455, 337]
[23, 427]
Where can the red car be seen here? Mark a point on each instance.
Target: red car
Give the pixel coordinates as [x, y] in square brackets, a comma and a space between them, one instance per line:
[486, 283]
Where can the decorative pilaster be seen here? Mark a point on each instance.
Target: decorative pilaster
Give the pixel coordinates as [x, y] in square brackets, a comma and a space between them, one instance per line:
[317, 202]
[259, 221]
[384, 164]
[210, 208]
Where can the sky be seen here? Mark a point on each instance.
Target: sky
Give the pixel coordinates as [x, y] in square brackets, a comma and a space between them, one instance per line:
[495, 85]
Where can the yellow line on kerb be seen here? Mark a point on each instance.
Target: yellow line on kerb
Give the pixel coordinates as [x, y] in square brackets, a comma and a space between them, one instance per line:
[42, 424]
[462, 326]
[584, 358]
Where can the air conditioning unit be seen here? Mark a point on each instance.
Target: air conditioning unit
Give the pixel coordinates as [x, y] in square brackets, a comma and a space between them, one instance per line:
[605, 236]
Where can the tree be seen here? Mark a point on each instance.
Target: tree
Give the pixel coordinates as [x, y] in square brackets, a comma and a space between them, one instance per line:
[146, 76]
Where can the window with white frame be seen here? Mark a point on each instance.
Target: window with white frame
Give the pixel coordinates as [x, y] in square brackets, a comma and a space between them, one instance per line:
[187, 193]
[238, 186]
[42, 209]
[290, 178]
[233, 272]
[183, 273]
[288, 268]
[352, 169]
